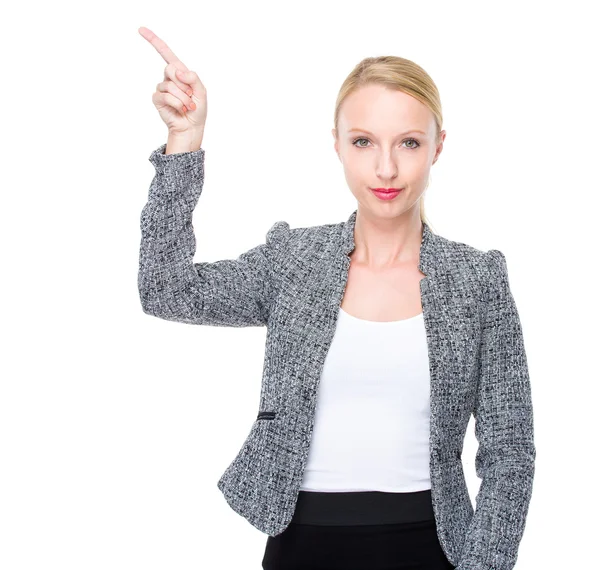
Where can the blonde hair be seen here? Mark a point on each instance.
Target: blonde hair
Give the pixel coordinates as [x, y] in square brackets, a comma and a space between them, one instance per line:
[395, 73]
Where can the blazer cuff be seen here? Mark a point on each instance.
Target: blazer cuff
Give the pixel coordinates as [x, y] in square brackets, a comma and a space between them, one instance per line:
[189, 162]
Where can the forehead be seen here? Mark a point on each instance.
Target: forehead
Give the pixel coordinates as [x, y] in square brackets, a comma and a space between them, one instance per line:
[381, 109]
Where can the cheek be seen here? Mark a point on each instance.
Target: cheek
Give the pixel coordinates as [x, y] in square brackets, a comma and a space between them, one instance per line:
[354, 171]
[416, 170]
[412, 170]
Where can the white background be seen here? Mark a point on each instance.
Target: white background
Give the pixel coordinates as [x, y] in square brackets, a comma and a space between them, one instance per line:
[115, 426]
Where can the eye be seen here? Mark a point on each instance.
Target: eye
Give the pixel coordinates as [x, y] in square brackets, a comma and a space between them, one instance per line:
[416, 144]
[359, 139]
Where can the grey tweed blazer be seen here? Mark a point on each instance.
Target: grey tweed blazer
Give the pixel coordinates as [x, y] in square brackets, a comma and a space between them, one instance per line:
[293, 284]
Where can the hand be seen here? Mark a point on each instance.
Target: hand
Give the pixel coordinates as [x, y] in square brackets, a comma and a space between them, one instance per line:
[181, 98]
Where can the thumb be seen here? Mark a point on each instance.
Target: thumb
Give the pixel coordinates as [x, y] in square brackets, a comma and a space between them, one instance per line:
[190, 78]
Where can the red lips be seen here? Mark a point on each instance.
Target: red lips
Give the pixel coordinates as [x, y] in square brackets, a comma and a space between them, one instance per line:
[386, 193]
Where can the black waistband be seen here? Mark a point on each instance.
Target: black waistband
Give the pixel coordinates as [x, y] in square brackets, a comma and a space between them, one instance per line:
[364, 507]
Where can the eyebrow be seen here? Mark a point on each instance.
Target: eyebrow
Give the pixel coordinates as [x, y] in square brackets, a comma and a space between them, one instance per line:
[401, 134]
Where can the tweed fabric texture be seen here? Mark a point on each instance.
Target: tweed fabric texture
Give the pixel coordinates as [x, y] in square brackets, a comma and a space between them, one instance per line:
[293, 284]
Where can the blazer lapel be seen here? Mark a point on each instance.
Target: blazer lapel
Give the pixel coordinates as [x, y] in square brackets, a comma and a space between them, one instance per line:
[440, 310]
[451, 325]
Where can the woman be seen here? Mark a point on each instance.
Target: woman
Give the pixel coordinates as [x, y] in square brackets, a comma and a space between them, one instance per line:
[401, 333]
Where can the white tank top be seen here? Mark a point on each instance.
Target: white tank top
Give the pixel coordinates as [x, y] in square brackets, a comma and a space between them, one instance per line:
[371, 429]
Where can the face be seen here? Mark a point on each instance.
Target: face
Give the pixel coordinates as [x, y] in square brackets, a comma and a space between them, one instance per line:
[396, 150]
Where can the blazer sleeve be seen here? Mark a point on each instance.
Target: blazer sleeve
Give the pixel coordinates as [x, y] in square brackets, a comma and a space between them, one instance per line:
[504, 430]
[231, 292]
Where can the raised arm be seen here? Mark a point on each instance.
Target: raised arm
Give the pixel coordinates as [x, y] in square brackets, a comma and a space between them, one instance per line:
[233, 292]
[504, 429]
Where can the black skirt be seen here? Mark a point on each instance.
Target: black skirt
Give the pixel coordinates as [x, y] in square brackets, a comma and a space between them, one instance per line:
[368, 530]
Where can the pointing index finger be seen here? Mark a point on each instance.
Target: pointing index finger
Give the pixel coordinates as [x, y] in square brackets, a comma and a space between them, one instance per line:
[162, 48]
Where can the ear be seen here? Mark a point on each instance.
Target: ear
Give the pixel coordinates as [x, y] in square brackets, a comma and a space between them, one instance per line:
[336, 144]
[440, 147]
